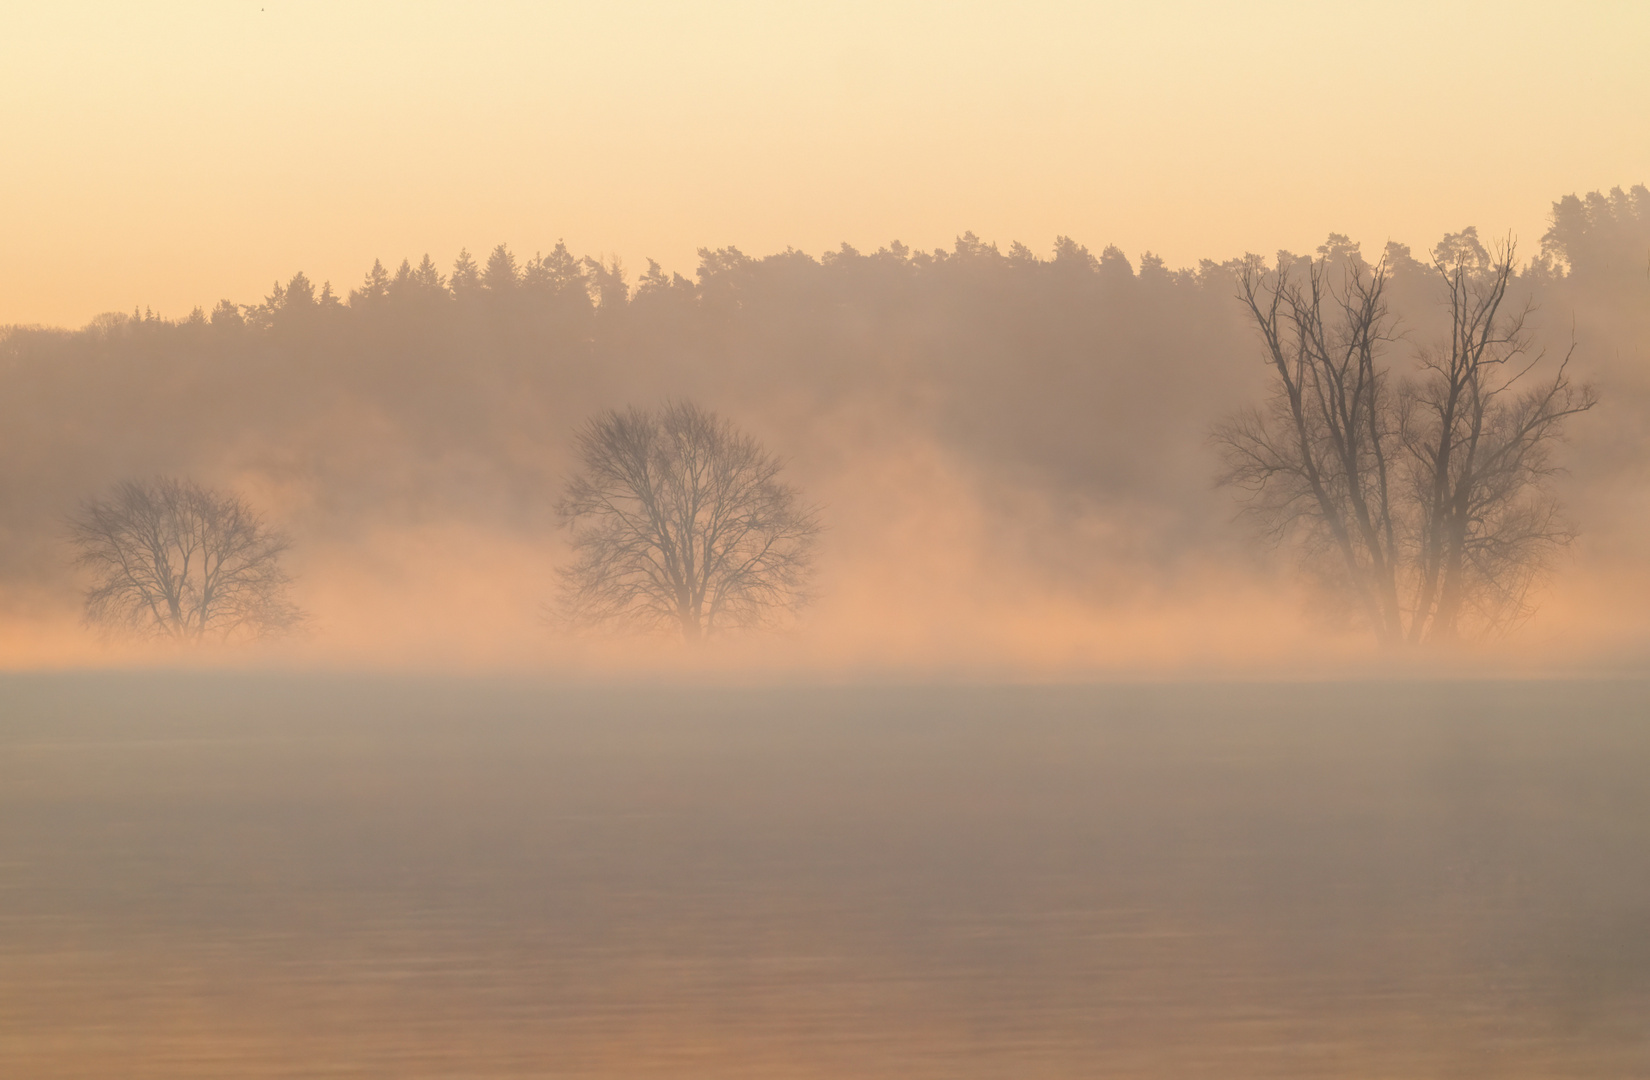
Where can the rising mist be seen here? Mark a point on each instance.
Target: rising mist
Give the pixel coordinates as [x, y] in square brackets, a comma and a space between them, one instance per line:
[1011, 451]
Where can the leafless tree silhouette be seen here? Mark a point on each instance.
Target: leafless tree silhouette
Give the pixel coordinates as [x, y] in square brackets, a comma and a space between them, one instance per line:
[1426, 502]
[680, 521]
[173, 559]
[1317, 459]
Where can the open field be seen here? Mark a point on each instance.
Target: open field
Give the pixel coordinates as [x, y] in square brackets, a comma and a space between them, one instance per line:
[271, 876]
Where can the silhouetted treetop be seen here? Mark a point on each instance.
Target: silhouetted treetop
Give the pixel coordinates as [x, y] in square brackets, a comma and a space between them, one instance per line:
[376, 288]
[1601, 235]
[500, 274]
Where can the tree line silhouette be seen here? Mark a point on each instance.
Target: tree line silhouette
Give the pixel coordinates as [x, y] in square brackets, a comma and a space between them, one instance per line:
[1063, 388]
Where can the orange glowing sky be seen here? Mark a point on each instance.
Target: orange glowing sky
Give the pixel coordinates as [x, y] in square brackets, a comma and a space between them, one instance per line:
[168, 155]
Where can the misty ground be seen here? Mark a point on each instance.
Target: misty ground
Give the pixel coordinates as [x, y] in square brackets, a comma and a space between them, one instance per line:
[227, 875]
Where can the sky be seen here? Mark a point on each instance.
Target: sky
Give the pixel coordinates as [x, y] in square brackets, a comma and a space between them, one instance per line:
[171, 155]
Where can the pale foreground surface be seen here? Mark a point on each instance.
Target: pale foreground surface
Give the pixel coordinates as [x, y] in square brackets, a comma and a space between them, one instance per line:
[216, 876]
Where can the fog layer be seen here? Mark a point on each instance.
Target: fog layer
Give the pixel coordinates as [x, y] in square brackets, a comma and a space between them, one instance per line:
[1010, 448]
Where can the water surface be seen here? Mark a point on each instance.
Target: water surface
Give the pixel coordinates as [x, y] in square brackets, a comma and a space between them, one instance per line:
[258, 876]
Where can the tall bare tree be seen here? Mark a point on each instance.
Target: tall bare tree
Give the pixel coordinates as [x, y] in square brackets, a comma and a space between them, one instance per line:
[1316, 460]
[173, 559]
[1478, 437]
[1424, 502]
[681, 521]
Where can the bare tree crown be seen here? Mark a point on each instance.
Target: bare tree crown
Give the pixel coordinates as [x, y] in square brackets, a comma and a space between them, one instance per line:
[1424, 502]
[680, 521]
[173, 559]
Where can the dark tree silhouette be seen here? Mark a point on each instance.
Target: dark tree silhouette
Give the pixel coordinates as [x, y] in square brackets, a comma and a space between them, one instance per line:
[1477, 439]
[680, 521]
[1424, 502]
[173, 559]
[1317, 460]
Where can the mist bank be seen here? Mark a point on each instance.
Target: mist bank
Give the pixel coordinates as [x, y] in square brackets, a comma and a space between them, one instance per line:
[1010, 449]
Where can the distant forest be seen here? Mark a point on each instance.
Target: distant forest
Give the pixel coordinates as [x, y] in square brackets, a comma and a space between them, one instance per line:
[1072, 393]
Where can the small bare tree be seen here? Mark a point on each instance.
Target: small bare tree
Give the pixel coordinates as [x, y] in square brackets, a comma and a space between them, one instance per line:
[1426, 502]
[680, 521]
[173, 559]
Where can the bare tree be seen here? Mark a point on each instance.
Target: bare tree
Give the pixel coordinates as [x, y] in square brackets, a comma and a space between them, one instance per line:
[1425, 502]
[1317, 460]
[173, 559]
[680, 521]
[1478, 440]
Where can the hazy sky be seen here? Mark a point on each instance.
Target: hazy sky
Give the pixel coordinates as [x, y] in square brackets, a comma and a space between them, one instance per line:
[171, 154]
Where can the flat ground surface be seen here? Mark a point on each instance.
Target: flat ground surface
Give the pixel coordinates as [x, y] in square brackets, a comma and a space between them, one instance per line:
[214, 876]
